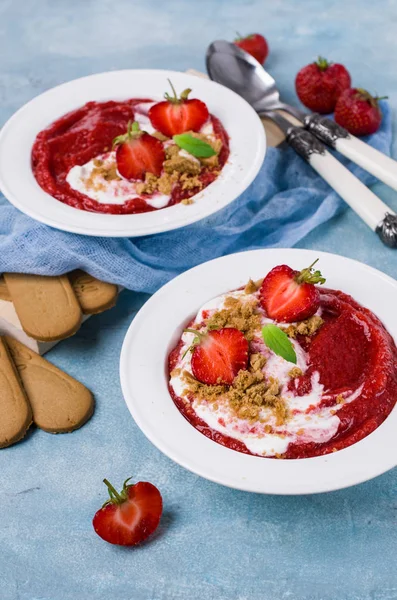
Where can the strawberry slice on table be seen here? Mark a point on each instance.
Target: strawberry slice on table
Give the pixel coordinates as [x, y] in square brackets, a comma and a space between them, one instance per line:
[129, 517]
[287, 295]
[138, 153]
[255, 44]
[177, 115]
[218, 356]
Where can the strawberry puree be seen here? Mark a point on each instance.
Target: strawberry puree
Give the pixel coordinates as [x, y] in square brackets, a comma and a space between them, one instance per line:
[87, 132]
[351, 351]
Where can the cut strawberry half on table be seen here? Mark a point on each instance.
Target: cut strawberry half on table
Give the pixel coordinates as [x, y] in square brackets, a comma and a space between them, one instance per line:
[287, 295]
[177, 115]
[218, 356]
[138, 153]
[129, 517]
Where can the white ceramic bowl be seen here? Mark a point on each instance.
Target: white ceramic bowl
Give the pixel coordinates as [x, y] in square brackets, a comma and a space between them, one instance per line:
[17, 182]
[155, 331]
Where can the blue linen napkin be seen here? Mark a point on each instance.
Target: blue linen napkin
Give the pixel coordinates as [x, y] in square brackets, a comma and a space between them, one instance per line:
[286, 201]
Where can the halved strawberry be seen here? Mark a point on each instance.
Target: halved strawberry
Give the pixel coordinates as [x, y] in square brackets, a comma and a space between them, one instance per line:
[218, 355]
[177, 115]
[287, 295]
[129, 517]
[138, 153]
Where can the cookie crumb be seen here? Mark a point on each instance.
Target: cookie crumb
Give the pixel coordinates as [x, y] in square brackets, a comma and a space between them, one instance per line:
[249, 393]
[239, 314]
[181, 164]
[160, 136]
[250, 288]
[295, 372]
[308, 327]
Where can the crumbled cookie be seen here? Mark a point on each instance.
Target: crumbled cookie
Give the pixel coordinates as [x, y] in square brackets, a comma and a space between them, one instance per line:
[190, 182]
[257, 361]
[249, 393]
[308, 327]
[160, 136]
[100, 172]
[171, 151]
[239, 314]
[295, 372]
[181, 164]
[162, 184]
[166, 182]
[250, 288]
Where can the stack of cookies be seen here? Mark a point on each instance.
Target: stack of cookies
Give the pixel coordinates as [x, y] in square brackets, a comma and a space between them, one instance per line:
[34, 390]
[39, 310]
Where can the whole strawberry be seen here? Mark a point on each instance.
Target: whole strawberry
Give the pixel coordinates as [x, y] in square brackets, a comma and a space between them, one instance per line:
[320, 84]
[358, 112]
[255, 44]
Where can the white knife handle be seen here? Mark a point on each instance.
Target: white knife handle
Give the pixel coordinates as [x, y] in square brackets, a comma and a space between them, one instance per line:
[370, 159]
[360, 198]
[374, 212]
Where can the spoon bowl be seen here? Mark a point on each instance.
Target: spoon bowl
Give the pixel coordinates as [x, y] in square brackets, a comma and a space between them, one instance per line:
[239, 71]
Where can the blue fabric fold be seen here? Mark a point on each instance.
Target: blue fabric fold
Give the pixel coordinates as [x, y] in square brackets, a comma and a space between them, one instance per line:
[284, 203]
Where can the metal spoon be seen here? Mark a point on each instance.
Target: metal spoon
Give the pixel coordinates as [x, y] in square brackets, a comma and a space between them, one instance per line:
[236, 69]
[231, 66]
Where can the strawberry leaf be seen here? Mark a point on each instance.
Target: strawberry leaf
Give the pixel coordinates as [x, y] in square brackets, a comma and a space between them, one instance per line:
[279, 342]
[194, 145]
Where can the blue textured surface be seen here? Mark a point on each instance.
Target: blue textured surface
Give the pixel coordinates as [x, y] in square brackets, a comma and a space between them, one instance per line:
[213, 543]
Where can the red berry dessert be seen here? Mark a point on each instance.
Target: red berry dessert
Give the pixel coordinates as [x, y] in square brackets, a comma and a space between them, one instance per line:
[284, 368]
[131, 156]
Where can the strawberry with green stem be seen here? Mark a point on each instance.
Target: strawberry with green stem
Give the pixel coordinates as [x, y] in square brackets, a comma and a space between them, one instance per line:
[255, 44]
[320, 84]
[138, 153]
[129, 516]
[287, 295]
[218, 355]
[178, 114]
[358, 111]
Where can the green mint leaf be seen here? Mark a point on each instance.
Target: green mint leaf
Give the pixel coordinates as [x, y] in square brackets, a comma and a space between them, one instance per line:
[193, 145]
[279, 342]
